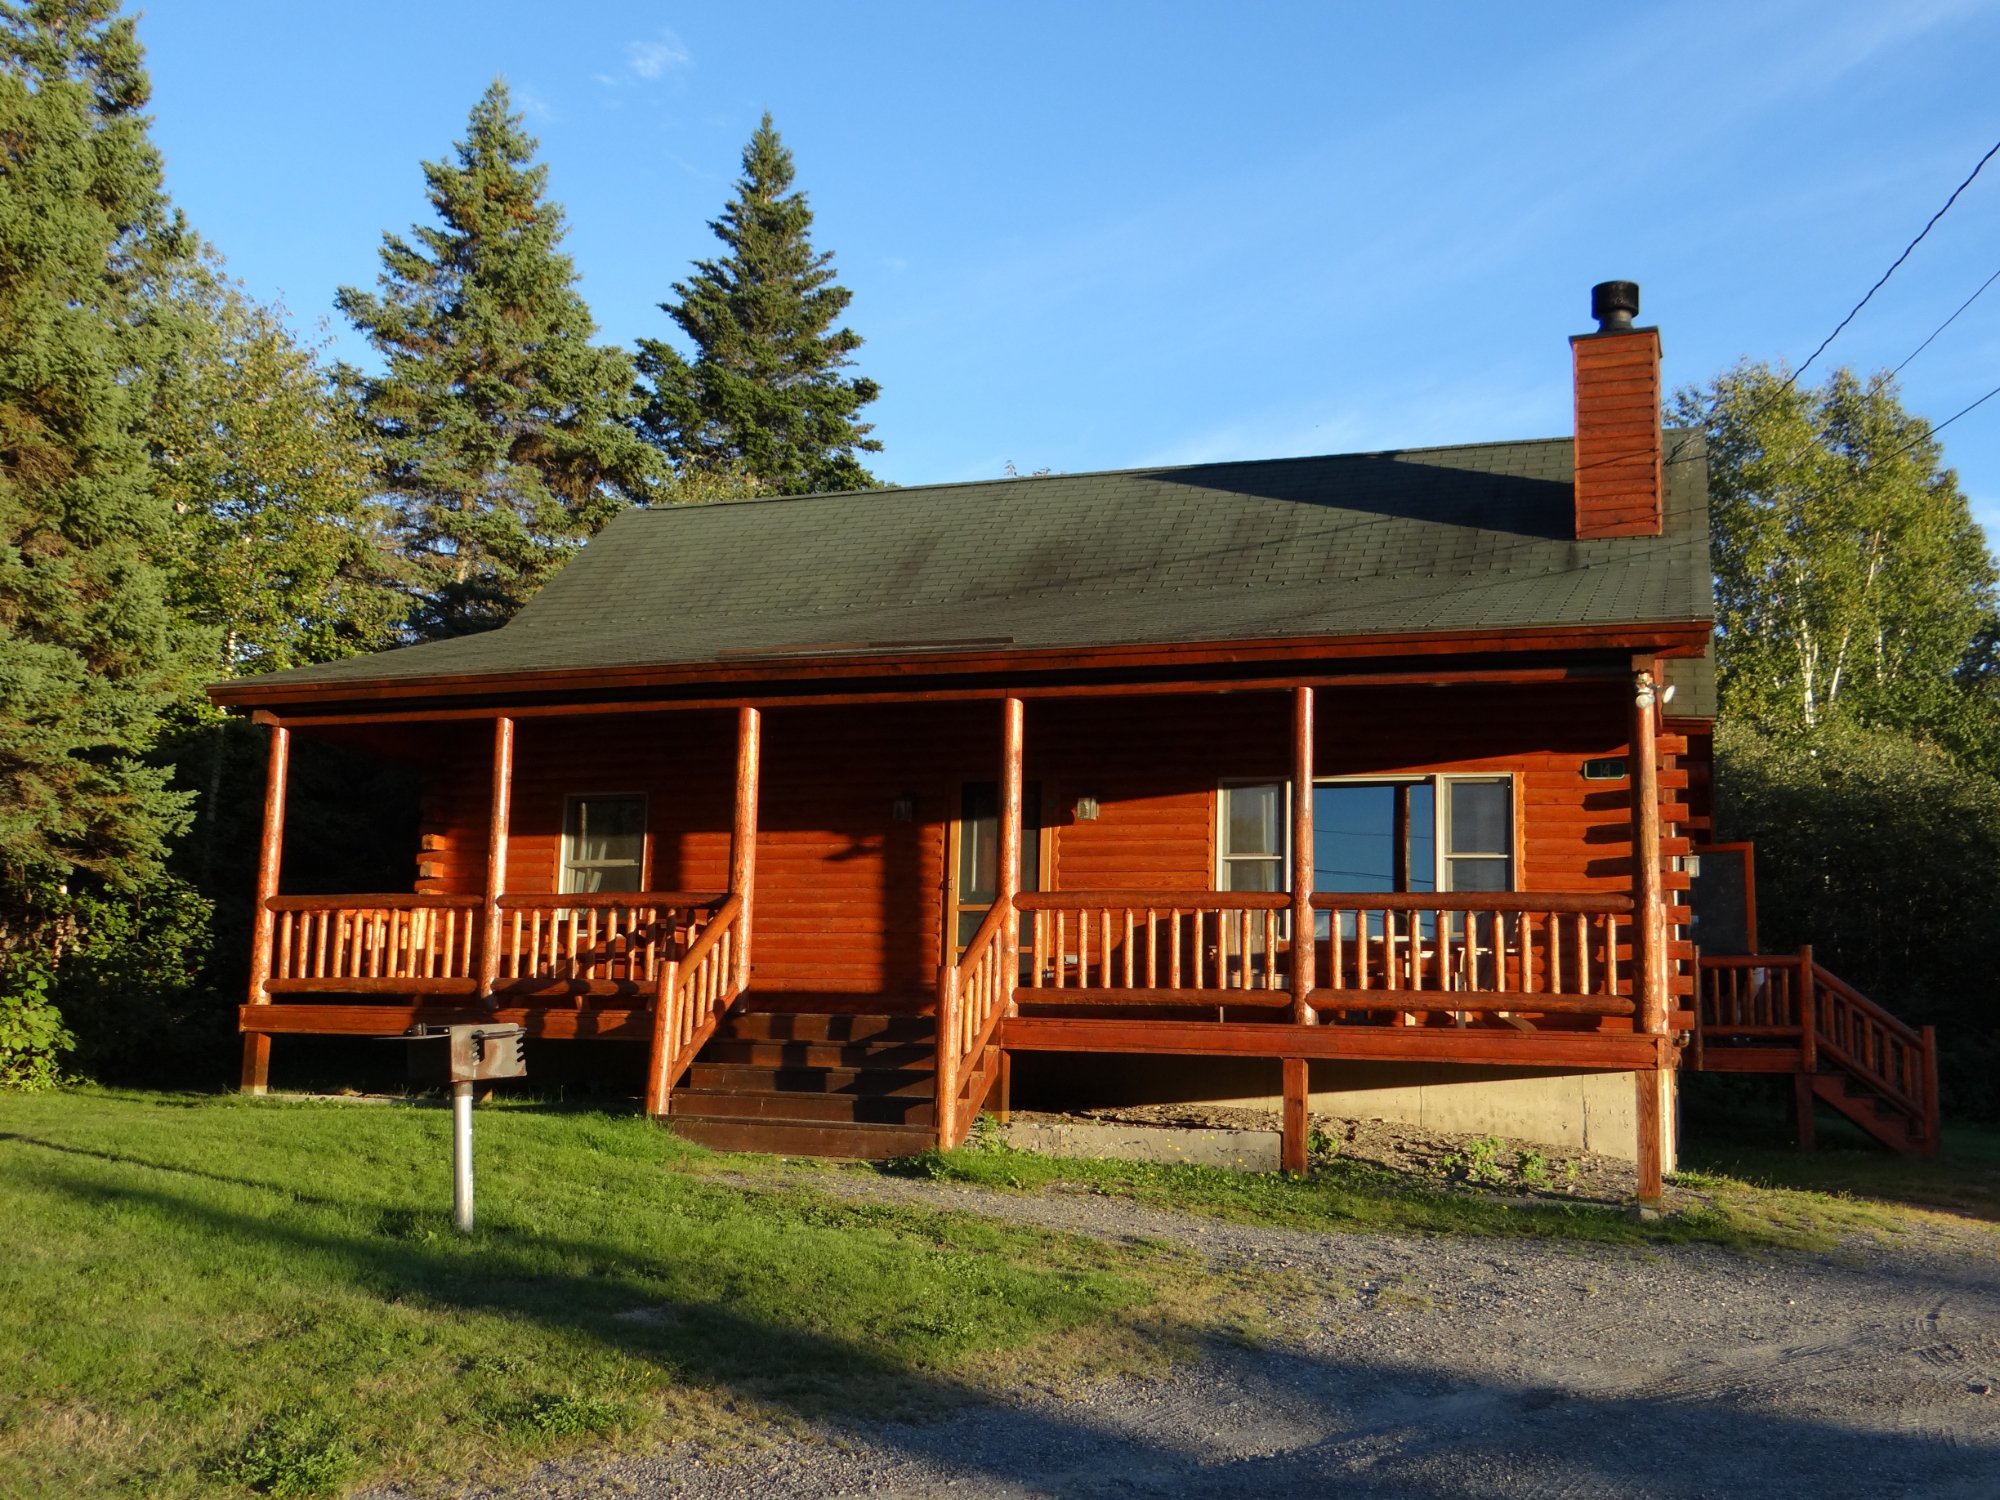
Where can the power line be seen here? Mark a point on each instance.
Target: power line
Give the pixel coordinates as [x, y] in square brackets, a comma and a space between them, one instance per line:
[1946, 323]
[1930, 432]
[1991, 153]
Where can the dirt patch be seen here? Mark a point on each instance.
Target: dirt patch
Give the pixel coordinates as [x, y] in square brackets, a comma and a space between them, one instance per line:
[1427, 1158]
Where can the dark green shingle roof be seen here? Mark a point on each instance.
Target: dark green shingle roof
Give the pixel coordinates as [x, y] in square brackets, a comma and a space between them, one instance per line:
[1473, 538]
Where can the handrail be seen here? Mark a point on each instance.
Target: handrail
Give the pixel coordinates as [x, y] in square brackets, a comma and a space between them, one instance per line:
[402, 899]
[1211, 900]
[972, 997]
[1561, 903]
[694, 991]
[606, 941]
[525, 900]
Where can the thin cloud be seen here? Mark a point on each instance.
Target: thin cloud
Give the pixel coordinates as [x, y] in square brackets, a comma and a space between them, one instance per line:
[657, 58]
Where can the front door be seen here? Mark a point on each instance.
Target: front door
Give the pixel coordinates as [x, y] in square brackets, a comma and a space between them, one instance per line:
[975, 856]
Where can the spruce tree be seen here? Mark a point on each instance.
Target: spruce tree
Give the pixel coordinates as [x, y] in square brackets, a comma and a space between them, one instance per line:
[501, 432]
[764, 402]
[91, 655]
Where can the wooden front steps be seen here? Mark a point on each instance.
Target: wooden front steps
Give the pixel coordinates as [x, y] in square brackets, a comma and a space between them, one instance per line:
[842, 1082]
[1866, 1109]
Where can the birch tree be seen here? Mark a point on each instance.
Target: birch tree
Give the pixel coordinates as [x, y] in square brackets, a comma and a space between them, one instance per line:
[1852, 583]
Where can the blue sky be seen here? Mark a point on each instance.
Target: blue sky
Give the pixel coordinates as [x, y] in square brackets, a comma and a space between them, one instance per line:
[1093, 236]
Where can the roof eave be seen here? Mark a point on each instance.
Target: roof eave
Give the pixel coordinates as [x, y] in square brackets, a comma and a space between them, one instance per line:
[1686, 637]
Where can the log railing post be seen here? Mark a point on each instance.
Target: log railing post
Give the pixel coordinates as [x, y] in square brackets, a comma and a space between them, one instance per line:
[743, 833]
[257, 1044]
[1305, 945]
[945, 1078]
[1808, 1014]
[1012, 734]
[1649, 968]
[666, 1032]
[1648, 936]
[496, 857]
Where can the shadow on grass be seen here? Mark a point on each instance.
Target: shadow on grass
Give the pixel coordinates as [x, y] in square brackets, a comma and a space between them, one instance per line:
[1751, 1139]
[1398, 1425]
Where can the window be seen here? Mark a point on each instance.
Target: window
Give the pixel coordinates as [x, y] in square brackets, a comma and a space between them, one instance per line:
[604, 844]
[1253, 837]
[1428, 833]
[977, 879]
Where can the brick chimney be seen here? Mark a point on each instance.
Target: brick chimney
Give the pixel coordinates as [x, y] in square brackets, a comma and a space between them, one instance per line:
[1617, 418]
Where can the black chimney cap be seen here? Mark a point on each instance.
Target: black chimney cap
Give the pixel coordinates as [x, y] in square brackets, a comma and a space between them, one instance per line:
[1614, 304]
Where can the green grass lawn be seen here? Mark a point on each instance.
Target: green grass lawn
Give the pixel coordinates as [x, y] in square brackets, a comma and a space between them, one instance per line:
[208, 1295]
[205, 1295]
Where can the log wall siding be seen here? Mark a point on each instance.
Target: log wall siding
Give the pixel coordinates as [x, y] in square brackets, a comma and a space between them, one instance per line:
[851, 902]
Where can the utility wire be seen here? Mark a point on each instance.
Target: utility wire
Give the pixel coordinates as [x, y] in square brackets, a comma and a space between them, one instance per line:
[1930, 432]
[1993, 151]
[1946, 323]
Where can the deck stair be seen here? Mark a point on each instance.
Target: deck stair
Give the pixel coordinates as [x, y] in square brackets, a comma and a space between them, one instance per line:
[1786, 1013]
[828, 1079]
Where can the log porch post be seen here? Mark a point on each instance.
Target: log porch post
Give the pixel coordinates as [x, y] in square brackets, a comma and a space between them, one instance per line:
[1013, 735]
[1305, 946]
[743, 832]
[496, 856]
[1648, 934]
[257, 1044]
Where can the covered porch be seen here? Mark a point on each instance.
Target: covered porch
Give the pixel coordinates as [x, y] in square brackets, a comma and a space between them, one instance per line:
[1587, 979]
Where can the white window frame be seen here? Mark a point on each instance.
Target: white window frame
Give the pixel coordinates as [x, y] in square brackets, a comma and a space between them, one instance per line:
[1284, 856]
[565, 864]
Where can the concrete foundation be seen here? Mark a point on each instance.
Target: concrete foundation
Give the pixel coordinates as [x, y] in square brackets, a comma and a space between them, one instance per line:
[1595, 1112]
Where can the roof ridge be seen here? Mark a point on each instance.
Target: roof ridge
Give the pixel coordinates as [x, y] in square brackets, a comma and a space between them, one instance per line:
[689, 507]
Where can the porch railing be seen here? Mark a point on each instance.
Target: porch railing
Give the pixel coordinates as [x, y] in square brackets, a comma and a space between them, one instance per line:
[693, 993]
[603, 943]
[1535, 953]
[1157, 947]
[1546, 954]
[972, 998]
[374, 944]
[404, 944]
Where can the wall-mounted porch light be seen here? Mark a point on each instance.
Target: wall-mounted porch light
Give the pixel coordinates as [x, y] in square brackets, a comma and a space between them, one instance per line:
[1086, 809]
[903, 809]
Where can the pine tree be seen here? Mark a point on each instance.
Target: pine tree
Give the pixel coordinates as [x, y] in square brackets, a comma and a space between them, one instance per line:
[500, 430]
[91, 655]
[763, 402]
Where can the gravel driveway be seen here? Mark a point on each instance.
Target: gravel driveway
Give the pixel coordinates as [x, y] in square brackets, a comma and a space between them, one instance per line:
[1455, 1367]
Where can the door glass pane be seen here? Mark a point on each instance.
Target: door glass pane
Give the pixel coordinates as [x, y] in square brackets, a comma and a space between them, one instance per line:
[1481, 815]
[1423, 837]
[979, 846]
[1354, 838]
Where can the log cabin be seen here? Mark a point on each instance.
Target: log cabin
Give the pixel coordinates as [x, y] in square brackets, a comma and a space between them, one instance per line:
[1375, 784]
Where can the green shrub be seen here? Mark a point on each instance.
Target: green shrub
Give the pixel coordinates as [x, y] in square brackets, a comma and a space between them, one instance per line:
[32, 1035]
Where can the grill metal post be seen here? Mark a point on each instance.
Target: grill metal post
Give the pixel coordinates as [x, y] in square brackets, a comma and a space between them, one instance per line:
[461, 1154]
